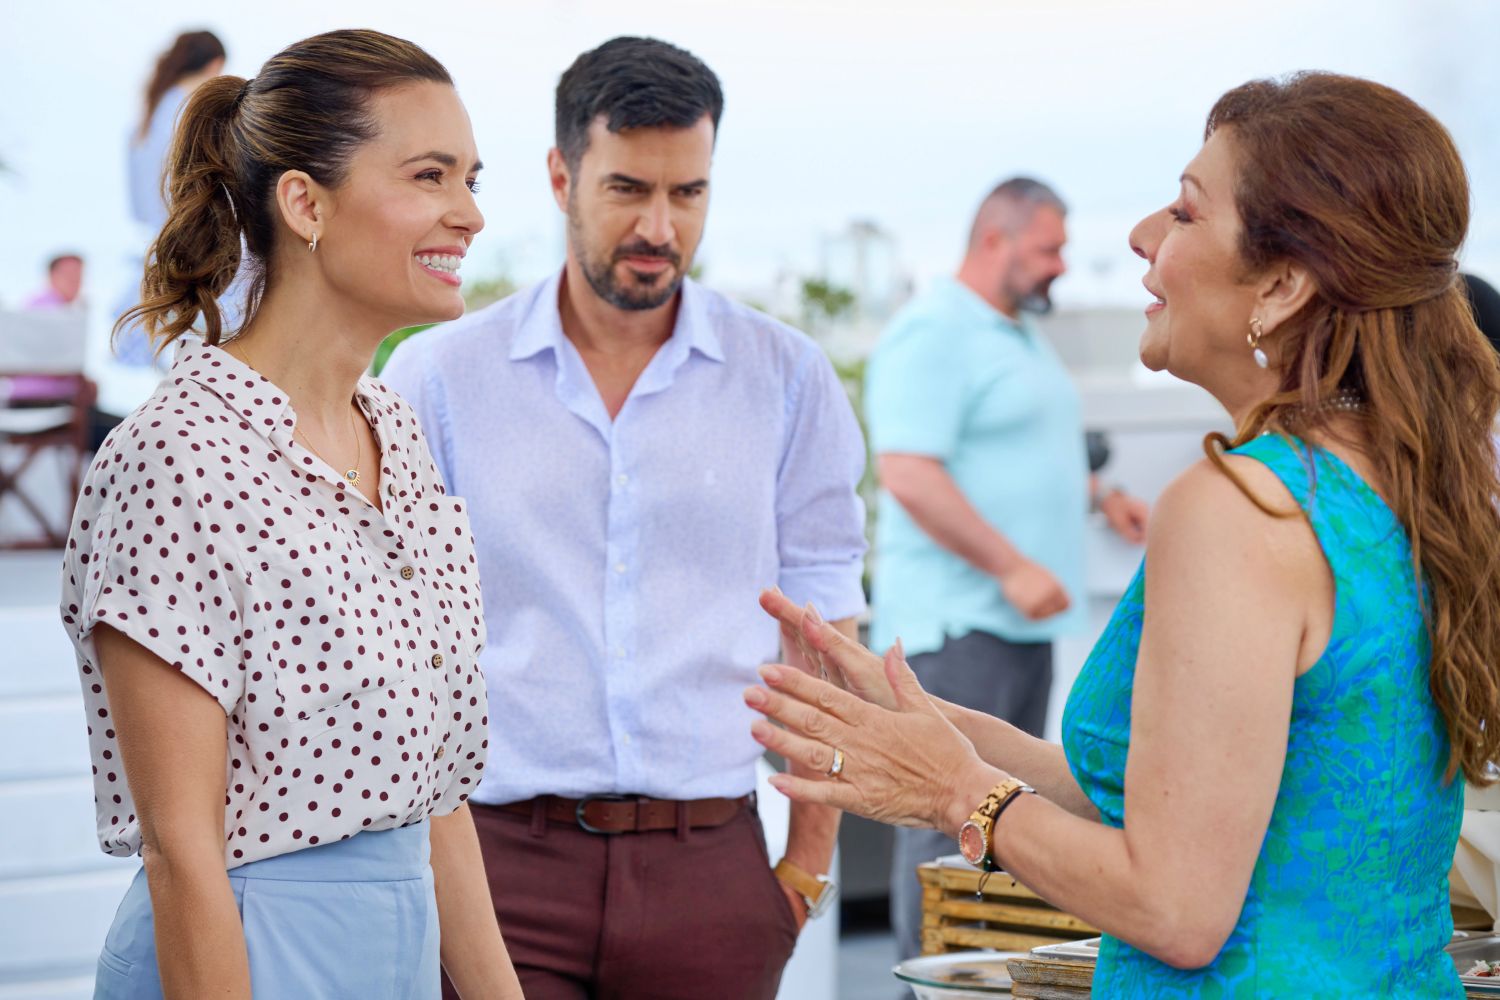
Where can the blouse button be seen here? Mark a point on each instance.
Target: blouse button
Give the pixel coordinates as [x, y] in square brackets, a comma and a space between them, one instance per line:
[437, 659]
[440, 751]
[407, 572]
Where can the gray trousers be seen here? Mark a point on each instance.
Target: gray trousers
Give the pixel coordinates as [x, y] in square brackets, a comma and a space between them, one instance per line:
[1009, 680]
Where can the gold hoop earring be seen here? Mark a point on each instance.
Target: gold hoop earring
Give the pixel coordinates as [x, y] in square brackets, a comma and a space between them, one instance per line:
[313, 245]
[1257, 331]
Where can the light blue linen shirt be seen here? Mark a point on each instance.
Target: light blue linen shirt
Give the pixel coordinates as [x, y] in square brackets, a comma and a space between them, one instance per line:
[621, 560]
[145, 164]
[954, 379]
[145, 157]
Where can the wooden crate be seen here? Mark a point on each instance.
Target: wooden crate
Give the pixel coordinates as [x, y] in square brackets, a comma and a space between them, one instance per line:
[1009, 917]
[1037, 978]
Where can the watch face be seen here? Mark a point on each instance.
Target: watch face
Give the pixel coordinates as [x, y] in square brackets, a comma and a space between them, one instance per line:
[971, 842]
[826, 899]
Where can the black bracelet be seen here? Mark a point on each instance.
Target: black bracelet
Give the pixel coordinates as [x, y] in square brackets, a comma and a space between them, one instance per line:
[995, 823]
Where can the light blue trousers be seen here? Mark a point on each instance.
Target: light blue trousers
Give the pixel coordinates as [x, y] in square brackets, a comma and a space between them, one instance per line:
[356, 918]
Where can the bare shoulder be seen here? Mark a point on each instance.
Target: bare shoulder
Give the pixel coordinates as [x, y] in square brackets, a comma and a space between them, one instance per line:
[1238, 515]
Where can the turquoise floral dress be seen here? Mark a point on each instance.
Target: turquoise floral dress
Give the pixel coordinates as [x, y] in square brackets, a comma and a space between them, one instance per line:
[1349, 897]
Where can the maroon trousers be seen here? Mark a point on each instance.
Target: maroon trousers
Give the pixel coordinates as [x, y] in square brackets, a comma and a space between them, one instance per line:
[662, 914]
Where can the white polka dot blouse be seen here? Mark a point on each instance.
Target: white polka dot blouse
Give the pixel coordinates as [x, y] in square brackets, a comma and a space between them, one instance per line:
[341, 639]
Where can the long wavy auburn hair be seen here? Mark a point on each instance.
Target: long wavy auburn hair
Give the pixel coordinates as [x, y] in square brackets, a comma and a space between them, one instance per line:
[1366, 190]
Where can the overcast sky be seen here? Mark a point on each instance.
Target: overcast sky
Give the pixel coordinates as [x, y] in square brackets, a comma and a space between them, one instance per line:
[899, 113]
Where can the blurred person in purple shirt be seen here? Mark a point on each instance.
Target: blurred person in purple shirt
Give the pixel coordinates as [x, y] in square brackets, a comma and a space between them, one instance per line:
[63, 290]
[64, 283]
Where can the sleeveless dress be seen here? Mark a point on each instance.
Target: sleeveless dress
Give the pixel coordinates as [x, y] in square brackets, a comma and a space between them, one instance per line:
[1349, 896]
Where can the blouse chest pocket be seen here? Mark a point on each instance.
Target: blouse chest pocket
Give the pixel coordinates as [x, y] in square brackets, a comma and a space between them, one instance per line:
[318, 638]
[443, 546]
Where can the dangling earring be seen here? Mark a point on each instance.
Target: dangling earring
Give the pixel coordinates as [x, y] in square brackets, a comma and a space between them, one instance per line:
[313, 246]
[1253, 337]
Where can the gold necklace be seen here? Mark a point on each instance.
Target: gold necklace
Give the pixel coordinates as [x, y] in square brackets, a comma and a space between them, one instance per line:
[351, 476]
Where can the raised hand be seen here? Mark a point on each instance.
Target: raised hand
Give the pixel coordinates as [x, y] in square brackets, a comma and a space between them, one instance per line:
[905, 765]
[831, 655]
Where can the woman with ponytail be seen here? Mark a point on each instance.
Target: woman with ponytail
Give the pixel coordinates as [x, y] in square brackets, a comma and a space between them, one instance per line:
[1260, 785]
[193, 58]
[274, 603]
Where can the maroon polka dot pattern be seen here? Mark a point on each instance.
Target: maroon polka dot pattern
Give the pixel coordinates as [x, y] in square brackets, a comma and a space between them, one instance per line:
[342, 640]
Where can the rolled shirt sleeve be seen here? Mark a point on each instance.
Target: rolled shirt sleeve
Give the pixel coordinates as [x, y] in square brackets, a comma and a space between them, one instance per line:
[157, 570]
[819, 514]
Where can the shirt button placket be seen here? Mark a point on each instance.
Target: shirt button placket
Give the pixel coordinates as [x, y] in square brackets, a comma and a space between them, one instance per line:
[619, 605]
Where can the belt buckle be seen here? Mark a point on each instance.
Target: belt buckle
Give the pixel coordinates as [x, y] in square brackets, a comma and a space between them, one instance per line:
[583, 804]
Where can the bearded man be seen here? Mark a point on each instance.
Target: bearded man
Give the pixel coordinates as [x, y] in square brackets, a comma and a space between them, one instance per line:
[985, 488]
[641, 457]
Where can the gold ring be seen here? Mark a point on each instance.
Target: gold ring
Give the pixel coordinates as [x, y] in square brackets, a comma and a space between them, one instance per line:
[837, 767]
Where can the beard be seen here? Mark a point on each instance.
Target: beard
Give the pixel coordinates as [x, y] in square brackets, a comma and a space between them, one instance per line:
[637, 292]
[1035, 299]
[1038, 303]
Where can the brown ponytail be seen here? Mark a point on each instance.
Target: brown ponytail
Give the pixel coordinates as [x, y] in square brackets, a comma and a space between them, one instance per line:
[307, 109]
[197, 253]
[190, 53]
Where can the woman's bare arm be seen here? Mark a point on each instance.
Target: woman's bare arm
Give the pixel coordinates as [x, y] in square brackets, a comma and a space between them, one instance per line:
[1232, 597]
[172, 737]
[474, 954]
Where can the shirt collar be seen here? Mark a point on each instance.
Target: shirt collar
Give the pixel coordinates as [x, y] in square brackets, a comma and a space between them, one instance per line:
[256, 399]
[243, 389]
[541, 327]
[972, 305]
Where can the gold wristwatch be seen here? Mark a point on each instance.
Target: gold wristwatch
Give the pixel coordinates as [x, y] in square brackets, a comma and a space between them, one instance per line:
[819, 892]
[976, 838]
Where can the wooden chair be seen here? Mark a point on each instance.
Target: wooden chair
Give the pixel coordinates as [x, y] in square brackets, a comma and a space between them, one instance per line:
[46, 405]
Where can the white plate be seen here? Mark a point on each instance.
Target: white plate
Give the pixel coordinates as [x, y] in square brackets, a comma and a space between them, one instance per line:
[960, 975]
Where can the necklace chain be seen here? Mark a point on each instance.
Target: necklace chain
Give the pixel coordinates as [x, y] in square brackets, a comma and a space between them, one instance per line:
[1343, 401]
[350, 475]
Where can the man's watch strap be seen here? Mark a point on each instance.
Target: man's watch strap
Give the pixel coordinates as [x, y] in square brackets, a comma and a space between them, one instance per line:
[818, 891]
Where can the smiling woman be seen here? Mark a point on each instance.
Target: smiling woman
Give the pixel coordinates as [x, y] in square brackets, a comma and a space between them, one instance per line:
[1257, 792]
[341, 121]
[273, 602]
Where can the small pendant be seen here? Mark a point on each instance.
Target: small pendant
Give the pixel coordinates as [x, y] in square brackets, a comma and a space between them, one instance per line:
[352, 476]
[1261, 359]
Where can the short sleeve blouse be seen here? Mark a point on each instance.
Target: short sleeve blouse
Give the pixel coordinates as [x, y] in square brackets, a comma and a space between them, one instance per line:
[341, 640]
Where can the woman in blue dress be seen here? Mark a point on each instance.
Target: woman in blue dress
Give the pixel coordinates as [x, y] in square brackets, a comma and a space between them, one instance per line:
[1260, 783]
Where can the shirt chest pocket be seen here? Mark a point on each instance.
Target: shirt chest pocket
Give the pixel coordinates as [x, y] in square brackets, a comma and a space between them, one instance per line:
[321, 622]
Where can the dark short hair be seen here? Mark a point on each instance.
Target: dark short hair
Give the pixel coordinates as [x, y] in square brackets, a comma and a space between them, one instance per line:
[1485, 302]
[633, 83]
[60, 259]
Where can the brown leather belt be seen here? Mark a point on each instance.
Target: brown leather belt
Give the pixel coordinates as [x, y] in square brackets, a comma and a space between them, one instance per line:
[611, 814]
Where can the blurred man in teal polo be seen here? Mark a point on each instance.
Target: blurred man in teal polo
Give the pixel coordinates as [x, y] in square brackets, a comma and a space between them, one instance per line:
[985, 488]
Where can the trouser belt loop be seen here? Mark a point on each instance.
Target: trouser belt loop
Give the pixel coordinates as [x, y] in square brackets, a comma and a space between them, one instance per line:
[539, 815]
[682, 822]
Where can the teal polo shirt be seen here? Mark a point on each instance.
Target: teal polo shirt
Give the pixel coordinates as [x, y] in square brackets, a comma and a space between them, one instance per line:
[957, 380]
